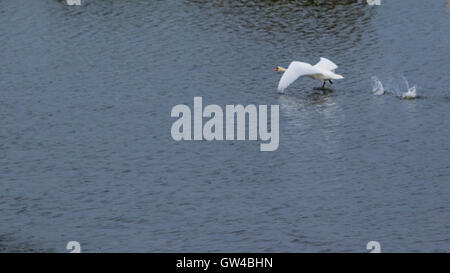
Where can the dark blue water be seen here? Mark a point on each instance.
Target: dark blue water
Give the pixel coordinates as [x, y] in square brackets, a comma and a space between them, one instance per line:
[86, 152]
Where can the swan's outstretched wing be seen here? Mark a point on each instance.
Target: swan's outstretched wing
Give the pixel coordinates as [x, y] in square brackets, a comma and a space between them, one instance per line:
[326, 64]
[295, 70]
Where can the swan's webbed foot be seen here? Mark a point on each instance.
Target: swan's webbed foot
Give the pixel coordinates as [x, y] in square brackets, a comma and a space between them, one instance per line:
[323, 88]
[329, 88]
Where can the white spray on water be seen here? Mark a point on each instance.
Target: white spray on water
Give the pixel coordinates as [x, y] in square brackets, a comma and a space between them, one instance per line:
[378, 88]
[411, 91]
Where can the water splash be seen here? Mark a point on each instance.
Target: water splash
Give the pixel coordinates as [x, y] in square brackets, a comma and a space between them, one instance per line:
[410, 93]
[378, 88]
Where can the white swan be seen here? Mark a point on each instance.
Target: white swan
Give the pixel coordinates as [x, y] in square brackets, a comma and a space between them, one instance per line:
[323, 71]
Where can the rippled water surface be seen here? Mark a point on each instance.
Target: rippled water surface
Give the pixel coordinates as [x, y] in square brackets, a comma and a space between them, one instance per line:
[86, 152]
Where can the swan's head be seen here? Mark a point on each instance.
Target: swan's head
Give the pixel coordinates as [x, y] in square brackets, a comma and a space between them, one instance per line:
[279, 69]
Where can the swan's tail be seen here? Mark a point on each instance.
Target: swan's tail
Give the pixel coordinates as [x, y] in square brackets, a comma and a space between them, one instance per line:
[337, 77]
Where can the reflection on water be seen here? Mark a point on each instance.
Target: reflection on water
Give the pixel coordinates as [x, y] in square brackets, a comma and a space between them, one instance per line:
[291, 103]
[331, 26]
[307, 113]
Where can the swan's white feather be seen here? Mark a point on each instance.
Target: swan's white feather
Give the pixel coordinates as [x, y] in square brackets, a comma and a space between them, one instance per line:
[323, 70]
[295, 70]
[326, 64]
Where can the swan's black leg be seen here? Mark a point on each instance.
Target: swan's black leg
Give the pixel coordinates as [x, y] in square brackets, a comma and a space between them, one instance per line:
[330, 81]
[323, 86]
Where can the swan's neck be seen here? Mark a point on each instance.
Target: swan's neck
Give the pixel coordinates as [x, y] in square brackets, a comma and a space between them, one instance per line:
[281, 69]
